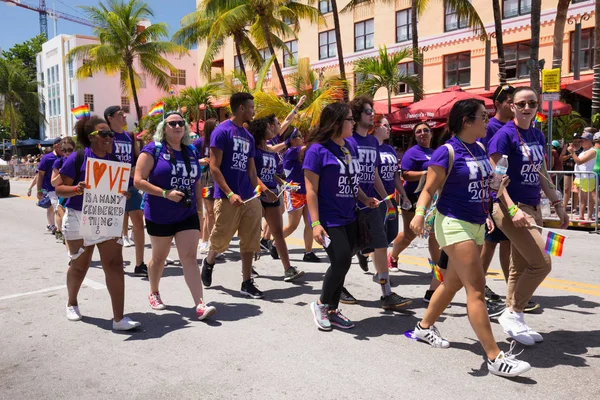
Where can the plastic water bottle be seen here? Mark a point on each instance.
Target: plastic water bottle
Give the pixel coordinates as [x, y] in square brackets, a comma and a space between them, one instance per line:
[499, 172]
[546, 210]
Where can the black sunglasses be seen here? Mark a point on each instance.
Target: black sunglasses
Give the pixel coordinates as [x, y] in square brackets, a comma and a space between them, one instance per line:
[173, 124]
[103, 134]
[68, 150]
[369, 111]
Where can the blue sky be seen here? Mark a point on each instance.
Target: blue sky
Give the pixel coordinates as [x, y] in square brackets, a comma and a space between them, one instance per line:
[19, 24]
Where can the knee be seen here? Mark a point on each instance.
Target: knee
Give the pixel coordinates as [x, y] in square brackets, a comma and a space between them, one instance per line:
[409, 236]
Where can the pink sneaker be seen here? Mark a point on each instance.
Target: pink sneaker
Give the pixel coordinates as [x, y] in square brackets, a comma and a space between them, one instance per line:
[203, 311]
[392, 264]
[155, 301]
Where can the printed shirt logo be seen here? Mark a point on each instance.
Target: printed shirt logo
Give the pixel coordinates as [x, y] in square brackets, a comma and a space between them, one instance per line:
[366, 160]
[180, 179]
[123, 151]
[344, 187]
[478, 185]
[269, 168]
[529, 170]
[388, 167]
[239, 158]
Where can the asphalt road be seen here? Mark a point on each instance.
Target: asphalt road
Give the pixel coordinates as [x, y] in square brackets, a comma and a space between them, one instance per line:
[271, 349]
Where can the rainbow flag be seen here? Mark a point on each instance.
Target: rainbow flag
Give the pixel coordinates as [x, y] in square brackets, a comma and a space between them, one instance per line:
[81, 111]
[171, 90]
[554, 244]
[291, 185]
[206, 192]
[158, 108]
[435, 271]
[257, 191]
[539, 117]
[389, 197]
[390, 214]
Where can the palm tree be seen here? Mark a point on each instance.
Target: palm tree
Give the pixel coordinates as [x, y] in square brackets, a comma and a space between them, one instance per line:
[499, 41]
[194, 97]
[566, 126]
[123, 44]
[596, 82]
[17, 93]
[382, 72]
[559, 30]
[534, 72]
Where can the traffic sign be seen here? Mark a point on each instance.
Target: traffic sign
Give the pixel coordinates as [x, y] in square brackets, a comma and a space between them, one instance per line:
[13, 142]
[550, 96]
[551, 80]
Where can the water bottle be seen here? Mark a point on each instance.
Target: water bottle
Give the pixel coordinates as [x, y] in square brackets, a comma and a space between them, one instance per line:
[499, 172]
[546, 210]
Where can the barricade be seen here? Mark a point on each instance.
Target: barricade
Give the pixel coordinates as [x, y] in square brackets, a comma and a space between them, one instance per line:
[572, 184]
[25, 170]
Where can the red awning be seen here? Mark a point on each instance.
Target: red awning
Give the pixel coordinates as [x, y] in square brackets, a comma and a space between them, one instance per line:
[559, 109]
[219, 103]
[582, 87]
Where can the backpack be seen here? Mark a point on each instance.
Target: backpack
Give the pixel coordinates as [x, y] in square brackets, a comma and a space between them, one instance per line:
[158, 147]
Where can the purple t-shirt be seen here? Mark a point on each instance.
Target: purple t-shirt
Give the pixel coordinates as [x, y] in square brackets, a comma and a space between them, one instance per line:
[492, 127]
[68, 170]
[337, 206]
[123, 150]
[266, 166]
[58, 163]
[198, 144]
[524, 183]
[293, 168]
[167, 176]
[276, 140]
[465, 195]
[45, 165]
[415, 159]
[237, 145]
[388, 167]
[368, 161]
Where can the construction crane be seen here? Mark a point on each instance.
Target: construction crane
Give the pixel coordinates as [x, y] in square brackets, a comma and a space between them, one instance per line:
[45, 12]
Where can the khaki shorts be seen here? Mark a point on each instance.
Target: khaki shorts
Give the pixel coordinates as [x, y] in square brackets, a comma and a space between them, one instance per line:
[449, 231]
[229, 219]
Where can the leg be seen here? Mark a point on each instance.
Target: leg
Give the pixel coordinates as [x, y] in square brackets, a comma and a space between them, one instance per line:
[275, 222]
[583, 197]
[161, 245]
[435, 253]
[568, 183]
[139, 238]
[78, 268]
[343, 240]
[58, 217]
[111, 256]
[308, 237]
[293, 222]
[50, 216]
[187, 248]
[505, 258]
[249, 233]
[404, 238]
[487, 254]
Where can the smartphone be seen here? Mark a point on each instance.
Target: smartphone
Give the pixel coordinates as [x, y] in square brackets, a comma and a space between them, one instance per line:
[326, 241]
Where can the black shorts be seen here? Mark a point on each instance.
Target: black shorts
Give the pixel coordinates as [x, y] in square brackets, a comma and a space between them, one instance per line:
[266, 204]
[413, 198]
[166, 230]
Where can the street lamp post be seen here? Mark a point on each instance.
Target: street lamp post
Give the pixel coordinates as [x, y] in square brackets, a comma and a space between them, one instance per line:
[577, 20]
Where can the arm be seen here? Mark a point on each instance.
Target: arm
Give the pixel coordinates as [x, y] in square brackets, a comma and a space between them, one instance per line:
[435, 177]
[404, 201]
[586, 157]
[145, 164]
[550, 191]
[311, 181]
[288, 120]
[33, 183]
[66, 189]
[380, 189]
[216, 158]
[412, 176]
[519, 219]
[252, 172]
[40, 179]
[564, 156]
[55, 177]
[199, 188]
[276, 148]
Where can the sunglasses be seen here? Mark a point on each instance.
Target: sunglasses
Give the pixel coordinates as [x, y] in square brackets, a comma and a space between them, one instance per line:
[369, 111]
[521, 104]
[298, 136]
[347, 155]
[350, 119]
[103, 134]
[69, 150]
[484, 117]
[424, 130]
[173, 124]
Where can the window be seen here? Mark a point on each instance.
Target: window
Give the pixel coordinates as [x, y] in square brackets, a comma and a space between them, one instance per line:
[288, 60]
[236, 63]
[457, 69]
[125, 104]
[142, 81]
[327, 45]
[451, 20]
[265, 54]
[178, 78]
[287, 20]
[72, 101]
[578, 1]
[325, 6]
[403, 26]
[407, 68]
[42, 78]
[586, 55]
[364, 35]
[514, 8]
[89, 100]
[71, 69]
[516, 56]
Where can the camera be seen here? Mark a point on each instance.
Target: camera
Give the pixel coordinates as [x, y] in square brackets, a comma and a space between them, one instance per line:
[187, 197]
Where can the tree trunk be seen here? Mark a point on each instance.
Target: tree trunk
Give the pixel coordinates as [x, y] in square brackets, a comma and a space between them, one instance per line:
[236, 40]
[596, 85]
[499, 42]
[389, 100]
[559, 32]
[136, 102]
[275, 61]
[534, 71]
[338, 42]
[415, 44]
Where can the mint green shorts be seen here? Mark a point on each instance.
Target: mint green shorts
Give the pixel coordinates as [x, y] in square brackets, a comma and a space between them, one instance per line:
[450, 231]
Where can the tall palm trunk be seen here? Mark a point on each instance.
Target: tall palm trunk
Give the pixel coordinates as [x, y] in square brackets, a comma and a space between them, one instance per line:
[499, 41]
[559, 32]
[237, 40]
[275, 61]
[338, 42]
[534, 72]
[415, 45]
[136, 102]
[596, 85]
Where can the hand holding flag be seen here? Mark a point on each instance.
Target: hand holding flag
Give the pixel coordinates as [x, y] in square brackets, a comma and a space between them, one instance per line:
[257, 192]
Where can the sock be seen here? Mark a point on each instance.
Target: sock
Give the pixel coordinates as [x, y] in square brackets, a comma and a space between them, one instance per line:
[384, 281]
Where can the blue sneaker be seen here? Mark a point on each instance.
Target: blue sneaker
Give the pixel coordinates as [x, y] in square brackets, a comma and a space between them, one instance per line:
[320, 315]
[337, 319]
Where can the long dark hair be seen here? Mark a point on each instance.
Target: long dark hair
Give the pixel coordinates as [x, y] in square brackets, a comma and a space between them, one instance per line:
[209, 126]
[84, 127]
[462, 111]
[330, 123]
[258, 129]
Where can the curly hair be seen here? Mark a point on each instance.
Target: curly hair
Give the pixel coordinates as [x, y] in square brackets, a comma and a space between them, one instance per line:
[84, 126]
[357, 105]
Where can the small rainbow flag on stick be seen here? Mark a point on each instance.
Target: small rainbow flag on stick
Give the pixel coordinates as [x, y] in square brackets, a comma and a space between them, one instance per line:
[257, 192]
[158, 108]
[554, 244]
[389, 197]
[539, 117]
[390, 214]
[435, 271]
[206, 192]
[81, 111]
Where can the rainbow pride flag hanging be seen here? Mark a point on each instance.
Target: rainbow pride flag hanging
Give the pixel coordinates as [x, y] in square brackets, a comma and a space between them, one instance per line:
[206, 192]
[554, 244]
[81, 111]
[390, 214]
[158, 108]
[539, 117]
[435, 271]
[171, 90]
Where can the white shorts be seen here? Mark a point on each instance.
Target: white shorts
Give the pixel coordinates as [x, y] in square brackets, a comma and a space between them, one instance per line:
[53, 199]
[71, 225]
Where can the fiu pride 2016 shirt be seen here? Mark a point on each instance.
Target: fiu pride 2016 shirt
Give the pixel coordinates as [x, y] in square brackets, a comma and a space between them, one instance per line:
[388, 167]
[524, 162]
[337, 206]
[466, 193]
[266, 167]
[45, 165]
[367, 148]
[492, 127]
[168, 175]
[415, 159]
[292, 168]
[123, 150]
[237, 145]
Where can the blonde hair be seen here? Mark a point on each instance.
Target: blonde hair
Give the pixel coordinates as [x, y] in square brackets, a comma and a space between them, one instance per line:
[159, 135]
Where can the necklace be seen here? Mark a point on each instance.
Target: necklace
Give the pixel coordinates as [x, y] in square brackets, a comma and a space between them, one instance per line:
[483, 188]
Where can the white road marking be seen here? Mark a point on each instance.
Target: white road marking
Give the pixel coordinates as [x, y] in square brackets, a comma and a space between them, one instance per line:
[87, 282]
[93, 284]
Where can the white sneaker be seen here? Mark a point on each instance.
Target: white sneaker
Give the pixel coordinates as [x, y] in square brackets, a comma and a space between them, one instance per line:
[169, 261]
[125, 324]
[127, 242]
[203, 247]
[432, 336]
[513, 324]
[507, 365]
[535, 335]
[73, 313]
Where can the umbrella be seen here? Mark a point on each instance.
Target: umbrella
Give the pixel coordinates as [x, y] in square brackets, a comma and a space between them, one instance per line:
[559, 109]
[434, 109]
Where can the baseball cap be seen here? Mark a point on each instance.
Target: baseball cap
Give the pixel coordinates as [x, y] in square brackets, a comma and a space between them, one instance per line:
[597, 137]
[56, 141]
[110, 111]
[577, 135]
[555, 143]
[587, 136]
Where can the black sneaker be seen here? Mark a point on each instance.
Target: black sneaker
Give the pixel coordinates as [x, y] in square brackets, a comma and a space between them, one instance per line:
[59, 237]
[207, 271]
[394, 302]
[141, 270]
[311, 257]
[491, 296]
[427, 297]
[346, 297]
[248, 289]
[531, 306]
[273, 252]
[292, 274]
[363, 261]
[495, 309]
[265, 244]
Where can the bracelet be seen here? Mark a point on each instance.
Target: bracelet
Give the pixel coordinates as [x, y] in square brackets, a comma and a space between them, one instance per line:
[421, 208]
[294, 111]
[230, 194]
[75, 189]
[40, 191]
[315, 223]
[164, 193]
[555, 203]
[512, 211]
[420, 213]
